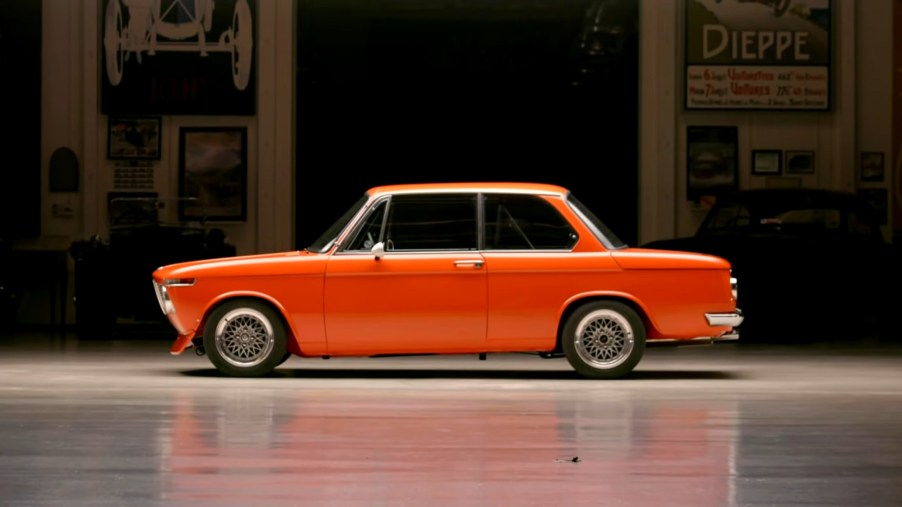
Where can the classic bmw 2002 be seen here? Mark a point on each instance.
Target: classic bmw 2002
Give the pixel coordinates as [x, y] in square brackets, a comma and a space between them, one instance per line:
[453, 268]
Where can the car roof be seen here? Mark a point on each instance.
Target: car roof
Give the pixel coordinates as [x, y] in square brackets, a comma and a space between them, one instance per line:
[485, 186]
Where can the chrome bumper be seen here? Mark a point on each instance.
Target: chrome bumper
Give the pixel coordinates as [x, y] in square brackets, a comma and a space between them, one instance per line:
[725, 319]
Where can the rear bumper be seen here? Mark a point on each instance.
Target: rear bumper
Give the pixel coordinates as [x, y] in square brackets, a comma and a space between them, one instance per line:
[725, 319]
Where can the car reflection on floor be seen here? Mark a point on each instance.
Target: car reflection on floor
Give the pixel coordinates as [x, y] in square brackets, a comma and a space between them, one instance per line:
[337, 446]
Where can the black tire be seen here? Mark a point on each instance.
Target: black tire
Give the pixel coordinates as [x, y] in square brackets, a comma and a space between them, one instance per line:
[604, 339]
[245, 338]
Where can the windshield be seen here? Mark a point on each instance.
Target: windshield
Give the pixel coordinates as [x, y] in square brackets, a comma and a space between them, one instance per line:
[601, 231]
[328, 238]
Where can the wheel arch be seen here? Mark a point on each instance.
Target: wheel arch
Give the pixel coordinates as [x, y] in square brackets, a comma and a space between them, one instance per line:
[574, 304]
[291, 337]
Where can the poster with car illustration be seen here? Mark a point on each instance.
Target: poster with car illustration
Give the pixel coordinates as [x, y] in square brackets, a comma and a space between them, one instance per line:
[178, 57]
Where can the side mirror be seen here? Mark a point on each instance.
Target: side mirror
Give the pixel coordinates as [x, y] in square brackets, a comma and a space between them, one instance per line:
[378, 250]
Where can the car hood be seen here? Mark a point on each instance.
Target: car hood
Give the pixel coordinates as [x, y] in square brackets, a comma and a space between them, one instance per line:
[258, 264]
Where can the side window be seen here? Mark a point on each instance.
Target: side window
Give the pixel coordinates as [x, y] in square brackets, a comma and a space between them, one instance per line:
[525, 222]
[431, 222]
[368, 233]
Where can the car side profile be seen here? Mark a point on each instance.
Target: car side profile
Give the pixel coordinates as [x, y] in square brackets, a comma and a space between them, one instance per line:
[452, 268]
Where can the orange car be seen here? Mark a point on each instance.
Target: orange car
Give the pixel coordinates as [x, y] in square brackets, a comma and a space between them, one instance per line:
[452, 268]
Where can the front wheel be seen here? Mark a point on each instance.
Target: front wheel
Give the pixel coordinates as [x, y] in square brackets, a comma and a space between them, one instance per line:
[604, 339]
[245, 338]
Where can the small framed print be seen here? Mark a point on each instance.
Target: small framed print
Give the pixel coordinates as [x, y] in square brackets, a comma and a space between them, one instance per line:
[134, 137]
[872, 168]
[799, 162]
[213, 174]
[712, 160]
[767, 162]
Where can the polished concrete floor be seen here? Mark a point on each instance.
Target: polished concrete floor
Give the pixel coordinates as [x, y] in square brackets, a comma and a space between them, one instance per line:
[123, 423]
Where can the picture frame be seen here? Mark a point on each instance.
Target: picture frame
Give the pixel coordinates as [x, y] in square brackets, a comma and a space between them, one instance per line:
[799, 162]
[134, 137]
[213, 174]
[146, 68]
[872, 168]
[767, 162]
[711, 160]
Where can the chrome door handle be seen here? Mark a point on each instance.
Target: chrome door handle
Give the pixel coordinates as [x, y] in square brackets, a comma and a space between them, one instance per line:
[475, 263]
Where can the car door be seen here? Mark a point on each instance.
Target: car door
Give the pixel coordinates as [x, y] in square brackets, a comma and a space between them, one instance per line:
[426, 294]
[531, 269]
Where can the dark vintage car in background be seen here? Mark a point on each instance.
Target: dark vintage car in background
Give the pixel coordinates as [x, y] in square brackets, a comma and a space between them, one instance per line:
[142, 237]
[813, 263]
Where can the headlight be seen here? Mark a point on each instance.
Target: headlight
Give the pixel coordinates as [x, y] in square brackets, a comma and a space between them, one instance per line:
[163, 298]
[734, 287]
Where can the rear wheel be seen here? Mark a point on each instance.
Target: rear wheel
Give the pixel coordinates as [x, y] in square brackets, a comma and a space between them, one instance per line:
[604, 339]
[245, 338]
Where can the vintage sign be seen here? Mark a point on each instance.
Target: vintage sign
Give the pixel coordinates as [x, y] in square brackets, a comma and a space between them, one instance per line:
[178, 57]
[758, 54]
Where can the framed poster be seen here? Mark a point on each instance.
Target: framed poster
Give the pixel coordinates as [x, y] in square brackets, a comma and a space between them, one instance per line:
[872, 167]
[178, 57]
[134, 137]
[799, 162]
[711, 165]
[213, 173]
[767, 162]
[764, 55]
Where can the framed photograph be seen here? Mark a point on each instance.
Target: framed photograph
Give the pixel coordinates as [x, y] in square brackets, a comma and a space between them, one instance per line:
[711, 165]
[134, 137]
[799, 162]
[767, 162]
[213, 173]
[878, 199]
[872, 168]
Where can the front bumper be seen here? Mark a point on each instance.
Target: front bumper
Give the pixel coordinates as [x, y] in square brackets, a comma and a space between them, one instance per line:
[182, 343]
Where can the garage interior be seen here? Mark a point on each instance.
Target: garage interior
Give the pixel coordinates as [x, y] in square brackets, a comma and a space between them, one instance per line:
[391, 93]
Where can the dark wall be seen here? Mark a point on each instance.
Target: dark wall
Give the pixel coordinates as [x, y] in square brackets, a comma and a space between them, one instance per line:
[20, 116]
[393, 91]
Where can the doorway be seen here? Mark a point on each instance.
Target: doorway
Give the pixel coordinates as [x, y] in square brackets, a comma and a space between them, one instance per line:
[403, 91]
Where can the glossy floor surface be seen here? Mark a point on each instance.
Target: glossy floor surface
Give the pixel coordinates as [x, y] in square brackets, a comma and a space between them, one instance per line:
[122, 422]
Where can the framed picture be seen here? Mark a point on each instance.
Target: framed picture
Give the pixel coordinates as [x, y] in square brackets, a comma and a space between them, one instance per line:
[872, 168]
[130, 208]
[213, 173]
[134, 137]
[799, 162]
[178, 57]
[877, 197]
[767, 162]
[711, 165]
